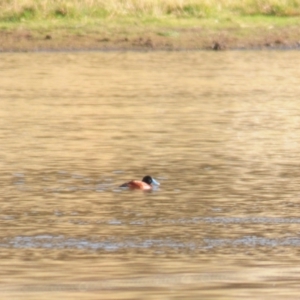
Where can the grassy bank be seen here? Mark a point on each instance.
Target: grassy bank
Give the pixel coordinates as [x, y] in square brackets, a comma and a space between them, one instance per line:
[18, 10]
[168, 24]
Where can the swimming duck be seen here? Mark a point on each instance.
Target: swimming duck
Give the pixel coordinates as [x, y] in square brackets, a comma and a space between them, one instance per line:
[145, 184]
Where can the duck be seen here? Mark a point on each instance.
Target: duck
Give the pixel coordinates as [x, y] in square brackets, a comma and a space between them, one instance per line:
[146, 184]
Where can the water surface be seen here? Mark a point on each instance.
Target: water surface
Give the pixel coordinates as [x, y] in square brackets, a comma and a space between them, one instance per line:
[221, 133]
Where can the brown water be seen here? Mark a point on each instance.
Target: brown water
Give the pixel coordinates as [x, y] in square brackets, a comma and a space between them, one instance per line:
[220, 131]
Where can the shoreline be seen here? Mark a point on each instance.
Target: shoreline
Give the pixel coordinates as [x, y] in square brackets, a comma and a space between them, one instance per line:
[149, 39]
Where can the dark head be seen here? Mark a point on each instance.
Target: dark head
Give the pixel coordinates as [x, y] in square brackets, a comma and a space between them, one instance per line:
[149, 180]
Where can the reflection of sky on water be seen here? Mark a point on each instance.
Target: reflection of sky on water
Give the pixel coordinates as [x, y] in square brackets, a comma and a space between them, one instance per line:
[58, 242]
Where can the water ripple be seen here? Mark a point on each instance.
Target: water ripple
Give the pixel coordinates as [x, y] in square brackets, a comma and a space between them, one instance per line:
[60, 242]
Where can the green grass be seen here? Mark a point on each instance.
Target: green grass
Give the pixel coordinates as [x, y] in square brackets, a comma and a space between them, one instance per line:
[20, 10]
[100, 15]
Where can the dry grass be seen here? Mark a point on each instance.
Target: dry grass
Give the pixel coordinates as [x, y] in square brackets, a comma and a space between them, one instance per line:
[18, 10]
[148, 24]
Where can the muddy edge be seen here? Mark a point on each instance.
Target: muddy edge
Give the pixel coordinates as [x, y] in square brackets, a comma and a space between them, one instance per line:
[179, 39]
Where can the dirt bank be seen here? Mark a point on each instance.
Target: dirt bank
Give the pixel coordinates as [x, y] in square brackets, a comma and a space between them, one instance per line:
[165, 39]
